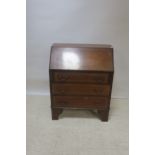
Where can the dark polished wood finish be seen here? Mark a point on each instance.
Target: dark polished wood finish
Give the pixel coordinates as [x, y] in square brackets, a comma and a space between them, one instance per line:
[80, 89]
[86, 102]
[81, 76]
[81, 58]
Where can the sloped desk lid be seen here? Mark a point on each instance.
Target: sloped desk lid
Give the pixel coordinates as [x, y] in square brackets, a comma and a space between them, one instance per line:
[84, 57]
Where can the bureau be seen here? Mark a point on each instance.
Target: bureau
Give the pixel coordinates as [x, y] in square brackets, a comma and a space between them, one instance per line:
[81, 77]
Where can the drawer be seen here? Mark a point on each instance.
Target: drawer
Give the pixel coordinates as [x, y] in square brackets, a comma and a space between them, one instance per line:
[81, 77]
[80, 89]
[80, 102]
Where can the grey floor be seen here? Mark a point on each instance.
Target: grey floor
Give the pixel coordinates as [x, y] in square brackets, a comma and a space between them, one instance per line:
[77, 132]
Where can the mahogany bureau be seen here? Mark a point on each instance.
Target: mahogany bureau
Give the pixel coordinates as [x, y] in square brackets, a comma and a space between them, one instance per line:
[81, 77]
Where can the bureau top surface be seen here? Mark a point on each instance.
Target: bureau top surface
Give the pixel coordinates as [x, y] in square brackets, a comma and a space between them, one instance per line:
[84, 57]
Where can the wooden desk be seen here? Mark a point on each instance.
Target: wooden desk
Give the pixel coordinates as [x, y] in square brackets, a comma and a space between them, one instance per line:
[81, 77]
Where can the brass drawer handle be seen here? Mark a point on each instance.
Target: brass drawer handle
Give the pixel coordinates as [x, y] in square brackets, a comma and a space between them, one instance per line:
[99, 80]
[61, 91]
[63, 77]
[96, 102]
[98, 91]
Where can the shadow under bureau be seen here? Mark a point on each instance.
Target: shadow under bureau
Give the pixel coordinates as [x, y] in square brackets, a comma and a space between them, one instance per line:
[81, 77]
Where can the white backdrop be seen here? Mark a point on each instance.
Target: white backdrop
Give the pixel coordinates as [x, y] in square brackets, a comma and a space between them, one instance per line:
[76, 21]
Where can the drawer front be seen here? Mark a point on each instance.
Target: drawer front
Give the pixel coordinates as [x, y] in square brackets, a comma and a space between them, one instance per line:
[80, 102]
[81, 77]
[80, 89]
